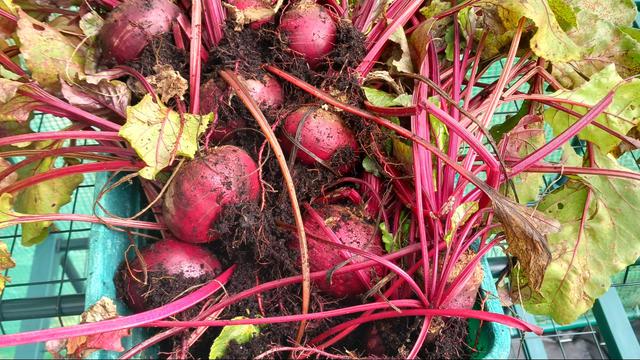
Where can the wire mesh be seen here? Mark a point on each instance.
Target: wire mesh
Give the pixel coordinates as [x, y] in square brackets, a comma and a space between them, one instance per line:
[47, 284]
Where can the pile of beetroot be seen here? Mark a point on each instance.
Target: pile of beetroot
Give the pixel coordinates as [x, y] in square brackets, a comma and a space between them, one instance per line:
[230, 205]
[322, 178]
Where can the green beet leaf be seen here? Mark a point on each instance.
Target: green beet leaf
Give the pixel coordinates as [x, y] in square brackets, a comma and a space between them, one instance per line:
[46, 197]
[240, 334]
[624, 110]
[158, 134]
[604, 244]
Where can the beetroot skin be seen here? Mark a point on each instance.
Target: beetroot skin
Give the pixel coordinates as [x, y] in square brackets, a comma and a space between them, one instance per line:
[310, 31]
[267, 92]
[210, 97]
[323, 134]
[227, 175]
[132, 25]
[168, 257]
[352, 230]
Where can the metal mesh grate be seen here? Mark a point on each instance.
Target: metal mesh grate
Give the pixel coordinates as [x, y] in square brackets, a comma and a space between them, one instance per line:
[47, 284]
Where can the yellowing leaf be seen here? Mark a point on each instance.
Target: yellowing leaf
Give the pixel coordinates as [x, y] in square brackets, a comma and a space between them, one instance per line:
[610, 242]
[80, 347]
[49, 54]
[549, 41]
[43, 198]
[604, 33]
[6, 262]
[158, 134]
[240, 334]
[624, 110]
[459, 217]
[401, 56]
[618, 12]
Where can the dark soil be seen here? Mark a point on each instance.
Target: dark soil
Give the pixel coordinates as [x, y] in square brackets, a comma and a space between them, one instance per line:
[162, 288]
[394, 338]
[162, 51]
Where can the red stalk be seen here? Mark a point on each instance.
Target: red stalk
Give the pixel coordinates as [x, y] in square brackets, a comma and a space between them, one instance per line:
[266, 287]
[565, 136]
[568, 170]
[38, 94]
[382, 122]
[83, 218]
[115, 165]
[291, 318]
[194, 56]
[125, 322]
[61, 135]
[397, 23]
[61, 151]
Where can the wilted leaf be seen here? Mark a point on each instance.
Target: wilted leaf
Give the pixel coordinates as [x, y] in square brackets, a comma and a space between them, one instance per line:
[49, 54]
[624, 109]
[81, 347]
[459, 217]
[43, 198]
[240, 334]
[8, 89]
[610, 242]
[102, 99]
[6, 262]
[549, 41]
[618, 12]
[603, 42]
[9, 179]
[158, 134]
[400, 57]
[91, 23]
[18, 109]
[467, 296]
[526, 230]
[168, 83]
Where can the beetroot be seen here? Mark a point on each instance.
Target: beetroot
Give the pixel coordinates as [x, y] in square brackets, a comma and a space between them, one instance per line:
[324, 134]
[210, 97]
[352, 230]
[310, 31]
[226, 175]
[267, 92]
[254, 12]
[164, 259]
[131, 26]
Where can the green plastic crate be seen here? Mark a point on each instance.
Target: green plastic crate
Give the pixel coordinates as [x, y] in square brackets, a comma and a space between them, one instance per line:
[107, 248]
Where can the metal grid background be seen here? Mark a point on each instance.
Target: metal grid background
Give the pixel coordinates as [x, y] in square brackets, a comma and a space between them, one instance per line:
[47, 284]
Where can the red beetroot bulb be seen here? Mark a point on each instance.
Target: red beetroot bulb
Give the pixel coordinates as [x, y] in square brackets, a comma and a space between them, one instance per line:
[351, 229]
[323, 134]
[310, 31]
[226, 176]
[167, 257]
[130, 27]
[267, 92]
[210, 97]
